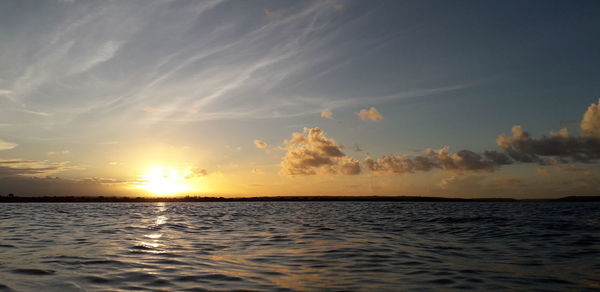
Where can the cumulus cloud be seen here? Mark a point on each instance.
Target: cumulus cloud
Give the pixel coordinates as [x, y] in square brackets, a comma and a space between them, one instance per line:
[558, 148]
[311, 152]
[326, 113]
[260, 144]
[590, 124]
[7, 145]
[462, 161]
[345, 165]
[369, 114]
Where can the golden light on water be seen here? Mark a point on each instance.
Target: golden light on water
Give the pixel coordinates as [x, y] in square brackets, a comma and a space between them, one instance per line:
[164, 181]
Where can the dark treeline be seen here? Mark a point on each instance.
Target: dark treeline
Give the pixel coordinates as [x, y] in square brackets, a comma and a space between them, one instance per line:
[84, 199]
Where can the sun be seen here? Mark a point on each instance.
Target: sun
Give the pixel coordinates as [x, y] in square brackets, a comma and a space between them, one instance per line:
[164, 181]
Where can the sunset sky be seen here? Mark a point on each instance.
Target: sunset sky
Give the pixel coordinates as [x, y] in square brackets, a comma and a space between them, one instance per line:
[250, 98]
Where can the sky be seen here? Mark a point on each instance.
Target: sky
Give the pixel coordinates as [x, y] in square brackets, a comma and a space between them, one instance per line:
[261, 98]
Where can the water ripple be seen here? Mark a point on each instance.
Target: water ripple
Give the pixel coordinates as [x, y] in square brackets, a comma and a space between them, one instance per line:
[300, 246]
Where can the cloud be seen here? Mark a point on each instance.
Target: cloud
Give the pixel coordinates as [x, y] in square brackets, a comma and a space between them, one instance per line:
[345, 165]
[195, 172]
[55, 186]
[102, 54]
[590, 124]
[369, 114]
[311, 153]
[4, 145]
[260, 144]
[20, 167]
[326, 114]
[559, 147]
[462, 161]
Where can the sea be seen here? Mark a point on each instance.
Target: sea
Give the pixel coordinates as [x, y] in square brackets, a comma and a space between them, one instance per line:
[300, 246]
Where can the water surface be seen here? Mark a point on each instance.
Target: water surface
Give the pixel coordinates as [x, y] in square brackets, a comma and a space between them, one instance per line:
[300, 246]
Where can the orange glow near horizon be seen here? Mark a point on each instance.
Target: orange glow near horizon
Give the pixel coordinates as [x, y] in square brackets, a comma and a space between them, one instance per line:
[164, 181]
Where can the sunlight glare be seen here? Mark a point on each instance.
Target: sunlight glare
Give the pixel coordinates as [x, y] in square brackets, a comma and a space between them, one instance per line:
[163, 181]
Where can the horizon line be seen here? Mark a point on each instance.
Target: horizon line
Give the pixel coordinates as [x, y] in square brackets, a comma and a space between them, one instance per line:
[371, 198]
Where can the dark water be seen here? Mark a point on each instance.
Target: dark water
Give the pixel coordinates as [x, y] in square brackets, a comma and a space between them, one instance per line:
[283, 246]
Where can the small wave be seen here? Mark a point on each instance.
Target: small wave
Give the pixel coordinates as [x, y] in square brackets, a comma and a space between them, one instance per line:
[210, 277]
[442, 281]
[302, 246]
[33, 272]
[5, 288]
[136, 277]
[168, 262]
[96, 280]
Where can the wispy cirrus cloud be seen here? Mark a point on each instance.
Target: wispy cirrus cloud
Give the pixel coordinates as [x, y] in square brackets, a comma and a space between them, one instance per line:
[100, 62]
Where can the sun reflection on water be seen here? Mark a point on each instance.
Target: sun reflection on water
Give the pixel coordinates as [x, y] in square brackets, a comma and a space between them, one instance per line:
[152, 241]
[153, 236]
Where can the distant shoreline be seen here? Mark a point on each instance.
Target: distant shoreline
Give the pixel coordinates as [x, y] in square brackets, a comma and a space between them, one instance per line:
[110, 199]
